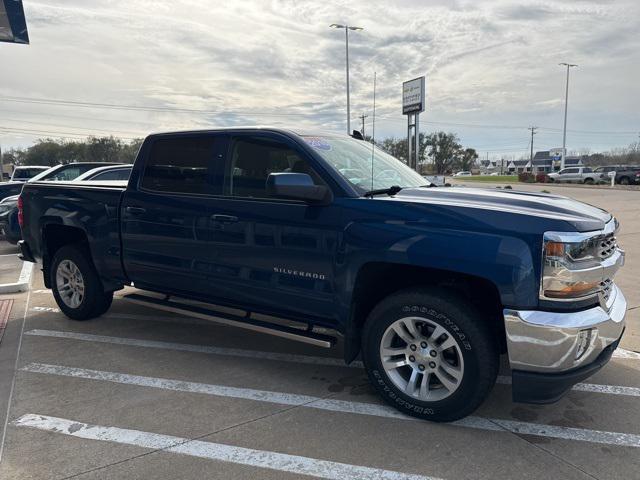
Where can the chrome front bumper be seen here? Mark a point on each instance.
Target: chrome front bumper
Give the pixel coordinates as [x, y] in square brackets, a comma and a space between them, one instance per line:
[547, 342]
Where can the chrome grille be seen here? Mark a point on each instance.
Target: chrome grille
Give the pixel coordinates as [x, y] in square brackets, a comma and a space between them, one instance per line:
[606, 246]
[606, 285]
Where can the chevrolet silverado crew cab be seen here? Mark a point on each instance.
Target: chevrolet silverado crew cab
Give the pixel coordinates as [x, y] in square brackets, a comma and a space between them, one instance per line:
[300, 234]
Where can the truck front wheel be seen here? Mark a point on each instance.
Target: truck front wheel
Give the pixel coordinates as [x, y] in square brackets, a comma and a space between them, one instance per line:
[76, 285]
[430, 354]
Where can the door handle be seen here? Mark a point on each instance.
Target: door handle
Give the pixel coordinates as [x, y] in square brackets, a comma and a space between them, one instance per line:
[224, 218]
[135, 210]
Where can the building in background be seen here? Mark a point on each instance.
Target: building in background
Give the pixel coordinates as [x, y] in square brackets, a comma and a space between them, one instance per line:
[519, 166]
[542, 163]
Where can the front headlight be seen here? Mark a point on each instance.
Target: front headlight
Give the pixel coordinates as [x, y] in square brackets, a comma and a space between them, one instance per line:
[571, 270]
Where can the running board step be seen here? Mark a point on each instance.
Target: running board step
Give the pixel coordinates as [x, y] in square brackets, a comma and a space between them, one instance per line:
[198, 311]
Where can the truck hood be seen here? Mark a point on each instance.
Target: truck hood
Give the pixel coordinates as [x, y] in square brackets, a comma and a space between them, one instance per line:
[582, 216]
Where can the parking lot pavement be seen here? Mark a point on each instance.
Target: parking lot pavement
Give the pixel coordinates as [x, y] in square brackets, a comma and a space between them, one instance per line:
[142, 394]
[7, 248]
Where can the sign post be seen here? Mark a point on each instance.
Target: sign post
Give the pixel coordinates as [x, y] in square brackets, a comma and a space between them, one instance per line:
[413, 93]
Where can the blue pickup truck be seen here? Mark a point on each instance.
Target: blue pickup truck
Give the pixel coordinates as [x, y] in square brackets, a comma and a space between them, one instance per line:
[300, 234]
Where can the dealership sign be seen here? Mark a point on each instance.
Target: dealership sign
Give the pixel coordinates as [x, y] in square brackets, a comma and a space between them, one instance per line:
[555, 153]
[413, 96]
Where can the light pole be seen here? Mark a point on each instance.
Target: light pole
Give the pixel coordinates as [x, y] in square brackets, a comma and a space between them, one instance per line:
[346, 33]
[566, 104]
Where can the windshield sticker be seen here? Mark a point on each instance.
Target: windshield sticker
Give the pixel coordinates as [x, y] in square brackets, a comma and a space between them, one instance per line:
[318, 142]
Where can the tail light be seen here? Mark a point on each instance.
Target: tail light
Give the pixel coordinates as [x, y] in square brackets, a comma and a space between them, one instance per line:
[20, 212]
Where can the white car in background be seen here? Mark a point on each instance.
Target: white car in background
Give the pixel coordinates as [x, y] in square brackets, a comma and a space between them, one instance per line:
[110, 172]
[22, 174]
[463, 174]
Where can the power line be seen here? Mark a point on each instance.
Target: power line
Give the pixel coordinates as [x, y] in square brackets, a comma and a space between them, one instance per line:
[116, 106]
[74, 103]
[48, 124]
[34, 132]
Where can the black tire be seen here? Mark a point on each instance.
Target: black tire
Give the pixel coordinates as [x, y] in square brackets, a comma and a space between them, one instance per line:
[624, 181]
[104, 305]
[95, 300]
[588, 181]
[477, 344]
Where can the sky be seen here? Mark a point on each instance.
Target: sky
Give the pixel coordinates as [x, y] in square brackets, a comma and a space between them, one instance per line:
[131, 67]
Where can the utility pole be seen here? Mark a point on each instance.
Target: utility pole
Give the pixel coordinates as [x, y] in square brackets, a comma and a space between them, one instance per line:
[362, 117]
[533, 132]
[566, 103]
[346, 33]
[1, 165]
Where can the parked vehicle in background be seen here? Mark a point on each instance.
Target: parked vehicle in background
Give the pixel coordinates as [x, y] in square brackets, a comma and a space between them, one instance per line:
[428, 285]
[67, 171]
[463, 174]
[9, 219]
[575, 175]
[9, 205]
[109, 173]
[22, 174]
[628, 175]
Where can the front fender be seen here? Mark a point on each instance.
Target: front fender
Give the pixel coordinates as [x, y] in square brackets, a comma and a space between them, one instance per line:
[505, 261]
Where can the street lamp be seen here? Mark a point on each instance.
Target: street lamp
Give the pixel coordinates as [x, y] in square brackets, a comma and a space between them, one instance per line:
[346, 32]
[566, 103]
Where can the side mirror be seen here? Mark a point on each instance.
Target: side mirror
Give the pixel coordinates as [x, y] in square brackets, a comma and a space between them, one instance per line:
[297, 186]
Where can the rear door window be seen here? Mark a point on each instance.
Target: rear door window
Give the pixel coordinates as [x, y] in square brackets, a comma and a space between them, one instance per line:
[181, 165]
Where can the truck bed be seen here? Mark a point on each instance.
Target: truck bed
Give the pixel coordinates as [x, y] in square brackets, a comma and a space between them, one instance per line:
[91, 206]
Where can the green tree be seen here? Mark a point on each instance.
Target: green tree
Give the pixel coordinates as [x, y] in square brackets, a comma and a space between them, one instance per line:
[46, 152]
[129, 151]
[103, 149]
[467, 158]
[443, 149]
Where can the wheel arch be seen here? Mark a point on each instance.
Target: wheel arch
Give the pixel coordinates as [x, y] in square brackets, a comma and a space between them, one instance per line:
[377, 280]
[54, 237]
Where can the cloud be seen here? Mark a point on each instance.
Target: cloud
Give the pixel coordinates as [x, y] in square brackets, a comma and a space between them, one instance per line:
[277, 62]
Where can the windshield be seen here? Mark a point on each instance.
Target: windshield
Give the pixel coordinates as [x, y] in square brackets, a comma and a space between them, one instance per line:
[26, 172]
[352, 159]
[64, 172]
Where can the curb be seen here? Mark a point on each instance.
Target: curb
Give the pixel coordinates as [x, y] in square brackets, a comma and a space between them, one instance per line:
[22, 285]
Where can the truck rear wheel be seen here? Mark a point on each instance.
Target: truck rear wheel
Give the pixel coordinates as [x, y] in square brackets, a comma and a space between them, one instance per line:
[76, 285]
[429, 353]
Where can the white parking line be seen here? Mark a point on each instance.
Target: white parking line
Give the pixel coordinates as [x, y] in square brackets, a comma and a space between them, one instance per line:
[46, 309]
[622, 353]
[282, 357]
[591, 387]
[235, 352]
[306, 401]
[213, 451]
[618, 353]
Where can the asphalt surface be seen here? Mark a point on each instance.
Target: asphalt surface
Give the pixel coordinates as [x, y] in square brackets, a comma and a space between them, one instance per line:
[143, 394]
